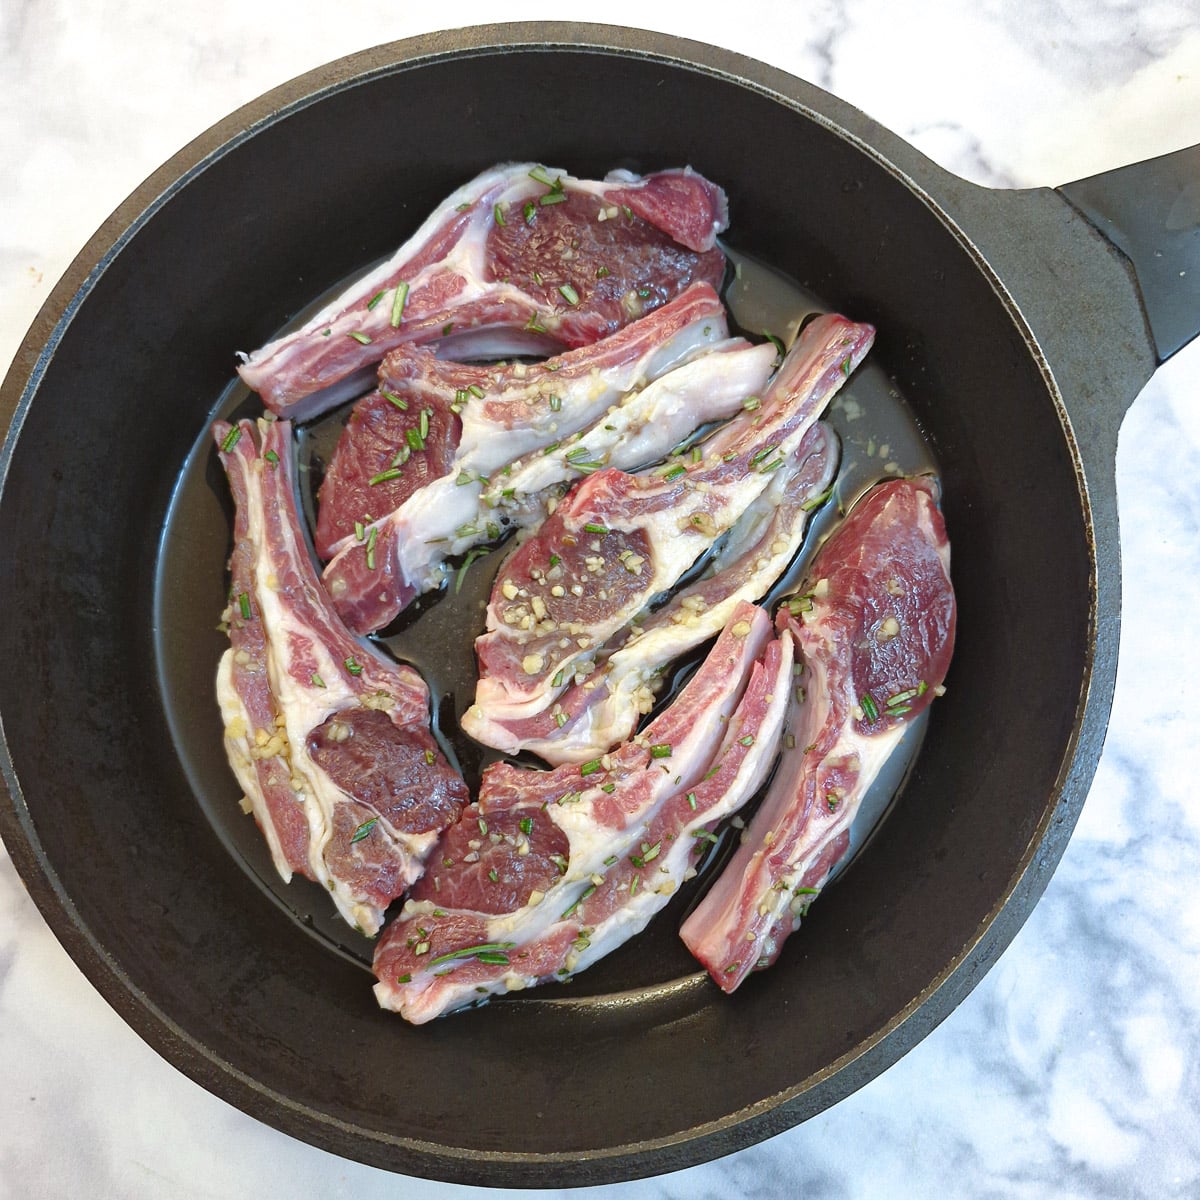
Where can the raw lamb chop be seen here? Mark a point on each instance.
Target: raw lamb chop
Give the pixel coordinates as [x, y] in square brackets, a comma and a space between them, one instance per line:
[552, 870]
[481, 418]
[523, 259]
[618, 540]
[874, 631]
[647, 424]
[601, 708]
[329, 741]
[505, 411]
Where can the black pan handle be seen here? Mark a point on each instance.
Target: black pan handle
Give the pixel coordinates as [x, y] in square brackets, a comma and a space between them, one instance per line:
[1151, 212]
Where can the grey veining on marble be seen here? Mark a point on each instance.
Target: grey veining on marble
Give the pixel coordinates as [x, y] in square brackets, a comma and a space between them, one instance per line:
[1073, 1070]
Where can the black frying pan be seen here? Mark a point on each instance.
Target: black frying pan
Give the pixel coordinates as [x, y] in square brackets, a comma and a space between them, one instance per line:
[111, 823]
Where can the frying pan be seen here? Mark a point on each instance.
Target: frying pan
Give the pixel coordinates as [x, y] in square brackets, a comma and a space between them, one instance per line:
[107, 824]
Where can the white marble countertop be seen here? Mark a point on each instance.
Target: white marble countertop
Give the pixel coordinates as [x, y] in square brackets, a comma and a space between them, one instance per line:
[1073, 1070]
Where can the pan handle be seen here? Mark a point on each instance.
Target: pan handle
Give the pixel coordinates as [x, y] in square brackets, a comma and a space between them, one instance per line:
[1151, 212]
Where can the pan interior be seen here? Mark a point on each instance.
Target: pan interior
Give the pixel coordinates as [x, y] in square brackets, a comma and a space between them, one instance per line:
[115, 579]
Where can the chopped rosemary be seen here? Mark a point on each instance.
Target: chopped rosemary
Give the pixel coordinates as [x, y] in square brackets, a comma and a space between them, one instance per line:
[474, 952]
[399, 299]
[415, 438]
[371, 547]
[590, 768]
[363, 830]
[317, 681]
[384, 476]
[587, 891]
[244, 605]
[402, 405]
[526, 824]
[375, 299]
[498, 215]
[661, 750]
[363, 339]
[272, 457]
[816, 501]
[353, 666]
[231, 438]
[569, 294]
[593, 527]
[869, 707]
[460, 575]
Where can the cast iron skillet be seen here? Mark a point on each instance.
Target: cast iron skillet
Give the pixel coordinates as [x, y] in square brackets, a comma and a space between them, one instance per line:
[1019, 335]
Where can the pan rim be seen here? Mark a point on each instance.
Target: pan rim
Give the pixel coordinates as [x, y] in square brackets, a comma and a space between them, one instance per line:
[155, 1026]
